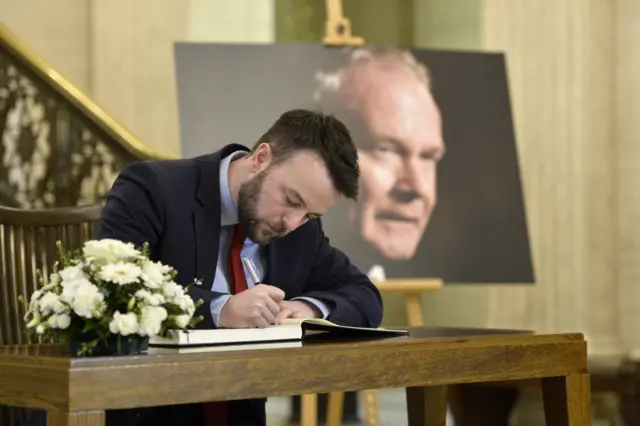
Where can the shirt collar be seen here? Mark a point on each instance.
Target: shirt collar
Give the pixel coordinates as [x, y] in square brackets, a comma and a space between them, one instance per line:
[228, 209]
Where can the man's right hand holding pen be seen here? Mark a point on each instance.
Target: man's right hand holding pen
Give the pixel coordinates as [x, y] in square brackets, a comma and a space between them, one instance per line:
[261, 306]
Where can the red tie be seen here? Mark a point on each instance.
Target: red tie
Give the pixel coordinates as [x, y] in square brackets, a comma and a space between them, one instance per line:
[237, 278]
[215, 413]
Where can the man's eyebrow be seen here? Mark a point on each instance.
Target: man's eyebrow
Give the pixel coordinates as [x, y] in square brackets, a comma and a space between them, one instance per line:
[300, 200]
[297, 196]
[436, 151]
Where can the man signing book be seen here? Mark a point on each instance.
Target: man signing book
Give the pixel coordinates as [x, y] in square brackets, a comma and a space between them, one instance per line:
[203, 215]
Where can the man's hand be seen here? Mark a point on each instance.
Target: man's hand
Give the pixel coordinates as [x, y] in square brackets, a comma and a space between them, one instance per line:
[254, 307]
[297, 309]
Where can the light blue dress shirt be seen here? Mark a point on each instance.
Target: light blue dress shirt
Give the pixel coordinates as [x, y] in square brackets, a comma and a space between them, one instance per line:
[228, 219]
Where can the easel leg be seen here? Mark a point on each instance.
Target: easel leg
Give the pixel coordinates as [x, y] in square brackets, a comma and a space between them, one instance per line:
[567, 400]
[309, 410]
[427, 406]
[414, 310]
[334, 408]
[372, 414]
[84, 418]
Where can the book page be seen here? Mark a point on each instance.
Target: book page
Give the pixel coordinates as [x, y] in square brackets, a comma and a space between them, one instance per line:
[299, 321]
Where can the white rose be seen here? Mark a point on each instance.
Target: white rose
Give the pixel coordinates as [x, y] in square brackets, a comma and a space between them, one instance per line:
[151, 320]
[50, 302]
[69, 289]
[40, 329]
[182, 320]
[150, 298]
[185, 303]
[61, 321]
[72, 273]
[120, 273]
[109, 250]
[124, 324]
[172, 290]
[87, 301]
[154, 273]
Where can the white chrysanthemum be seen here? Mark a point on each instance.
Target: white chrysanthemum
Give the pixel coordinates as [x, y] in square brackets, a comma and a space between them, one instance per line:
[120, 273]
[154, 273]
[124, 324]
[182, 320]
[150, 298]
[50, 303]
[109, 251]
[151, 320]
[88, 301]
[60, 321]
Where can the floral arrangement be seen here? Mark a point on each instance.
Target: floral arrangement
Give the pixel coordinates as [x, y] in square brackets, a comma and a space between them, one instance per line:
[108, 292]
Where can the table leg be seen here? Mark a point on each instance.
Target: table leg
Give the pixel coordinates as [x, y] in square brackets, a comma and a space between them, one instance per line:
[83, 418]
[567, 400]
[427, 406]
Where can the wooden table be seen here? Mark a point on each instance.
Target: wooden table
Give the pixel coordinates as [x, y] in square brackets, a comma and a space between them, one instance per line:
[78, 390]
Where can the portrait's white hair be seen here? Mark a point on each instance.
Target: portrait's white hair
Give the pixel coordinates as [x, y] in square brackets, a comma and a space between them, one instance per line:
[330, 83]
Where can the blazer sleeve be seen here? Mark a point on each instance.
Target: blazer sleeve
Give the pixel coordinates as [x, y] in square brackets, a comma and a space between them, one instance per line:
[134, 212]
[351, 296]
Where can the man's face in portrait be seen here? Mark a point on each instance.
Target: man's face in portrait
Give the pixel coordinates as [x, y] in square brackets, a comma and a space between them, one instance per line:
[397, 129]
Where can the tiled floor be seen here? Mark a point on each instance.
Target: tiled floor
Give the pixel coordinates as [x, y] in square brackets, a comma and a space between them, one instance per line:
[527, 412]
[393, 410]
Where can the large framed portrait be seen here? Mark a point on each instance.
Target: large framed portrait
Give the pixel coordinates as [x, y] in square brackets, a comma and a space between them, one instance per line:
[440, 186]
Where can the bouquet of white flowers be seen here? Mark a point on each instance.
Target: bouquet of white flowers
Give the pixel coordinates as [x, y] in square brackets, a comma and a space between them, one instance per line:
[109, 298]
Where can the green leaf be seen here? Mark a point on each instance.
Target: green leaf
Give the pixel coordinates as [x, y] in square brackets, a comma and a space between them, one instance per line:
[131, 303]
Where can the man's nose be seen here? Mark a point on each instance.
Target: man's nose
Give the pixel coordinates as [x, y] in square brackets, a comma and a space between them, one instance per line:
[411, 176]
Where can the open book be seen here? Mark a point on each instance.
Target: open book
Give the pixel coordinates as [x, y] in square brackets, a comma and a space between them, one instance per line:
[289, 329]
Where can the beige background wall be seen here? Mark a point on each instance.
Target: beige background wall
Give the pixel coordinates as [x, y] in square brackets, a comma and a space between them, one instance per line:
[562, 63]
[627, 164]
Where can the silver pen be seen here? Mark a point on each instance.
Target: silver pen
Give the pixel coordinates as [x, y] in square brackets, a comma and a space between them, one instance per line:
[251, 268]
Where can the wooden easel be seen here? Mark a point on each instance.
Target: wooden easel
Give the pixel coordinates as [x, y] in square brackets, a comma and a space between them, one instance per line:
[338, 33]
[411, 289]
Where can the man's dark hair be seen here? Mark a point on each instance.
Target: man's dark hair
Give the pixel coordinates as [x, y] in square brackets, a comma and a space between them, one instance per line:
[324, 134]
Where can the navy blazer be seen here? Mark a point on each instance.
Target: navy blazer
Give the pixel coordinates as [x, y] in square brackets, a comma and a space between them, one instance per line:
[174, 205]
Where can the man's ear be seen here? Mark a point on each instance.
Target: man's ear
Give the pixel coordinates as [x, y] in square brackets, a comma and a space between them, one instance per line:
[261, 157]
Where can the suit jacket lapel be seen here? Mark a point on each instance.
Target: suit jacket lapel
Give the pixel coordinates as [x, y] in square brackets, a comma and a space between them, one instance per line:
[207, 217]
[207, 230]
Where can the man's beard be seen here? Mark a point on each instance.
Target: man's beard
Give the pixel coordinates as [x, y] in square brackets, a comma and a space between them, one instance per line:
[248, 198]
